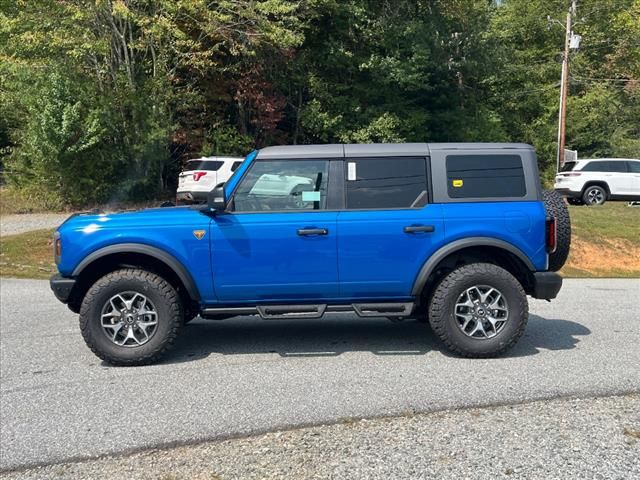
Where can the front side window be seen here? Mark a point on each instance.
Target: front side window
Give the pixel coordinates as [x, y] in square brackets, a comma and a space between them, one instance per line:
[277, 185]
[384, 183]
[485, 176]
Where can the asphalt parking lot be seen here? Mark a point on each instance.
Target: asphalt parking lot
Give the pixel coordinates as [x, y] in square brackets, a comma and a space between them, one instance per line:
[243, 376]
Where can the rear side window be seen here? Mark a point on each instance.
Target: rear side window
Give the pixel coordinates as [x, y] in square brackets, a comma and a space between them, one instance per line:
[383, 183]
[210, 165]
[605, 167]
[485, 176]
[634, 167]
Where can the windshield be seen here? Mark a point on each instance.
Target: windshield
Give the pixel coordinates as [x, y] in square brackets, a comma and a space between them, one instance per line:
[231, 183]
[568, 166]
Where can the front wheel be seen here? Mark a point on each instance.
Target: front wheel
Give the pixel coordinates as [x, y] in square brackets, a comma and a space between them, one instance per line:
[479, 310]
[130, 317]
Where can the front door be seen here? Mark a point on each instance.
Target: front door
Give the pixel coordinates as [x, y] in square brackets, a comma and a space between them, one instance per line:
[388, 229]
[278, 243]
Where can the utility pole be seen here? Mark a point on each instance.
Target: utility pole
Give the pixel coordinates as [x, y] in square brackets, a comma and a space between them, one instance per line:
[564, 86]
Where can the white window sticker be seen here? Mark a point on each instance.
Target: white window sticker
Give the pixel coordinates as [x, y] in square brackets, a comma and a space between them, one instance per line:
[351, 171]
[310, 196]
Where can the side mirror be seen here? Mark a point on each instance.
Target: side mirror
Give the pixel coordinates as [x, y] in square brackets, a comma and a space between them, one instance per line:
[216, 201]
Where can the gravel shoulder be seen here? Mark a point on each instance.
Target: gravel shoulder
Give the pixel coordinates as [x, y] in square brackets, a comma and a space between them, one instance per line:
[14, 224]
[563, 438]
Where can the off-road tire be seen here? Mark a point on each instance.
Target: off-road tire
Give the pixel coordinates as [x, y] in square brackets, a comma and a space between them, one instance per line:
[555, 206]
[159, 291]
[442, 305]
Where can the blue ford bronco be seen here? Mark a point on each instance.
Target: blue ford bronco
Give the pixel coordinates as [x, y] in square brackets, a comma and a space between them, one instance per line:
[456, 234]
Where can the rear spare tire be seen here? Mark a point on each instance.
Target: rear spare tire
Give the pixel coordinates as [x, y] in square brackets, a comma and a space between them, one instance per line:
[555, 206]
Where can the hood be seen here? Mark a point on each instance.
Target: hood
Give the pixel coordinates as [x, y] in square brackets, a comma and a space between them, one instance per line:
[95, 220]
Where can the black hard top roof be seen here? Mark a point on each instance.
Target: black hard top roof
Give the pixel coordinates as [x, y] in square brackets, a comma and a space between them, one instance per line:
[377, 149]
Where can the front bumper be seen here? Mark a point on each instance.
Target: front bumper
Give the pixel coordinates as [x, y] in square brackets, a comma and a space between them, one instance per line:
[546, 285]
[62, 287]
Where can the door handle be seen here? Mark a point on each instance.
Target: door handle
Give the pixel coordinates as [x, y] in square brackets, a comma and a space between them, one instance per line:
[312, 231]
[419, 229]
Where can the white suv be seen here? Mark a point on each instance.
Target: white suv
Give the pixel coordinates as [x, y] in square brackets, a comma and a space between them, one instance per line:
[593, 182]
[201, 175]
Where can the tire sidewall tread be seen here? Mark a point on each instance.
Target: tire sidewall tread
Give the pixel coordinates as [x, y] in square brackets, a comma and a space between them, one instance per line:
[445, 295]
[165, 299]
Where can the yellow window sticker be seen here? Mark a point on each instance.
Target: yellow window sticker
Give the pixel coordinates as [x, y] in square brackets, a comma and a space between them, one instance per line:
[458, 183]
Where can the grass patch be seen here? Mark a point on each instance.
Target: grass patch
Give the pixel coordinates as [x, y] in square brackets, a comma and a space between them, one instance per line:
[14, 201]
[27, 255]
[605, 243]
[611, 220]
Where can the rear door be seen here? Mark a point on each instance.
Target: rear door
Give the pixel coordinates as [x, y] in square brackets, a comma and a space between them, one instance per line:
[634, 170]
[279, 240]
[614, 172]
[387, 229]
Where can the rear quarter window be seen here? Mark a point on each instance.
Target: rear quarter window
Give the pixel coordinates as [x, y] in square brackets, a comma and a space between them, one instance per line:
[634, 167]
[485, 176]
[210, 165]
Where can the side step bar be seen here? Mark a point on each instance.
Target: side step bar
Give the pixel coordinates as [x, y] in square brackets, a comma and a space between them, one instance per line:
[281, 312]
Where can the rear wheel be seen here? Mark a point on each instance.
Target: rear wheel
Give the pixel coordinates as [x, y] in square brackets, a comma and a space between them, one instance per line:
[594, 195]
[479, 310]
[130, 317]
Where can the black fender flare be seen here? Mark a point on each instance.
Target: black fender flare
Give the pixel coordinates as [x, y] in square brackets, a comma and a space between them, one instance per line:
[169, 260]
[433, 261]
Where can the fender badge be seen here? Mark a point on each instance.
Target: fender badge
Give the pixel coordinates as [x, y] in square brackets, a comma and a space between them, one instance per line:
[199, 234]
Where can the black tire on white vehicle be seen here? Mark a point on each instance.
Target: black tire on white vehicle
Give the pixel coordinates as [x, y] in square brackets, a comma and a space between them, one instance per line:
[594, 195]
[557, 208]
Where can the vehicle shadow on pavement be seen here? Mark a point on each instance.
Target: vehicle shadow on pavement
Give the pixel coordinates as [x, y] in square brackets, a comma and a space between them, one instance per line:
[333, 336]
[548, 334]
[327, 337]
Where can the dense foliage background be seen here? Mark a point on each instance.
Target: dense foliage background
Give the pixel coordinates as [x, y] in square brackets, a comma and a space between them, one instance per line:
[103, 99]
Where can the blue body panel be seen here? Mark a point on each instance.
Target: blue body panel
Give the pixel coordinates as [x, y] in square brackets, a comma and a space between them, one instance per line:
[169, 229]
[376, 258]
[261, 257]
[522, 224]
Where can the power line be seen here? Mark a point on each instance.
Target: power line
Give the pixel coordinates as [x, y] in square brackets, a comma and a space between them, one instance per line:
[596, 79]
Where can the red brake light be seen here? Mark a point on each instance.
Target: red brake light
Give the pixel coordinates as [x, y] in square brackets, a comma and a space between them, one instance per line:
[198, 175]
[551, 235]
